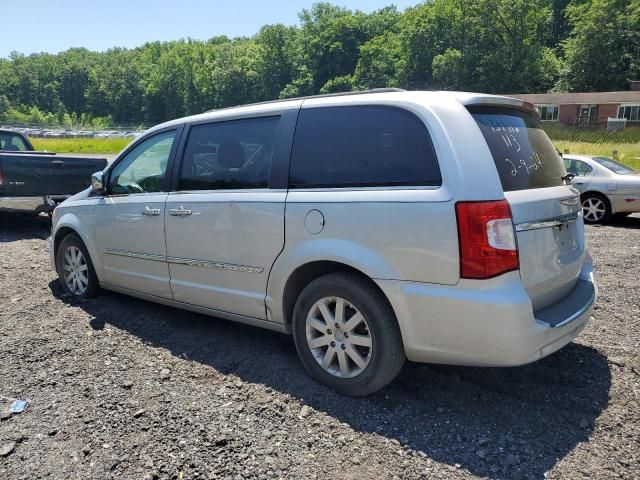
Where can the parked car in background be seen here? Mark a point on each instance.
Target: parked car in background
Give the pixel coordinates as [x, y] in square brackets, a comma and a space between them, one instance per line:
[35, 182]
[607, 187]
[42, 132]
[372, 226]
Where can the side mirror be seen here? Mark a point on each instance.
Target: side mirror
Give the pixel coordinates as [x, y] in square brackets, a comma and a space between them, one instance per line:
[97, 183]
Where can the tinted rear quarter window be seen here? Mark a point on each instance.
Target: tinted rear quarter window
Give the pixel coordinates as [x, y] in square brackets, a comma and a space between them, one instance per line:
[523, 154]
[362, 146]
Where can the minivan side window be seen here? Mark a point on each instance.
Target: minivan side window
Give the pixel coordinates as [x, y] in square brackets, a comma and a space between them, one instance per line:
[229, 155]
[143, 169]
[362, 146]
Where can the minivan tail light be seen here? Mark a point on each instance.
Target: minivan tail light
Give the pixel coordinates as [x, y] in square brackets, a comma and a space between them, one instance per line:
[486, 238]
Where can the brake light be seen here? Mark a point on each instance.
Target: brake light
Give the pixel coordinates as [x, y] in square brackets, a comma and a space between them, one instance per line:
[486, 239]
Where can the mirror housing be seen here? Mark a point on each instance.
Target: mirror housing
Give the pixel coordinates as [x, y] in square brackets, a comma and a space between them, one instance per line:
[97, 183]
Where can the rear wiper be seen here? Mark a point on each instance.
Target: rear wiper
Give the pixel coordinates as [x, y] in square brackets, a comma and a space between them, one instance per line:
[568, 177]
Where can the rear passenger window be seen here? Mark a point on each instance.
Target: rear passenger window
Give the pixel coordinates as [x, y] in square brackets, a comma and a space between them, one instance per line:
[362, 146]
[229, 155]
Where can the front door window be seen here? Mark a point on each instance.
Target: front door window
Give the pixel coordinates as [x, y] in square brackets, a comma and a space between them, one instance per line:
[144, 168]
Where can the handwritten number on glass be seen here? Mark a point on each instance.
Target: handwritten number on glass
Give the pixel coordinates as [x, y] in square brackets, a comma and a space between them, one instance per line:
[510, 140]
[535, 162]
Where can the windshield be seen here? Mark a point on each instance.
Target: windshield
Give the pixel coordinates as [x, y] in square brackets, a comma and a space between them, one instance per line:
[616, 167]
[523, 154]
[13, 142]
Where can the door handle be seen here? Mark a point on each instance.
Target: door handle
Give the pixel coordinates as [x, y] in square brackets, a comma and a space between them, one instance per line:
[579, 183]
[179, 212]
[57, 162]
[151, 212]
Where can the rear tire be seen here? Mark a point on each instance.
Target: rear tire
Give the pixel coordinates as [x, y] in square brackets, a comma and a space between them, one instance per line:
[75, 269]
[347, 335]
[596, 208]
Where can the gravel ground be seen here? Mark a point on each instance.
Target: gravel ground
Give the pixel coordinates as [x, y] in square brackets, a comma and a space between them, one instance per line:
[122, 388]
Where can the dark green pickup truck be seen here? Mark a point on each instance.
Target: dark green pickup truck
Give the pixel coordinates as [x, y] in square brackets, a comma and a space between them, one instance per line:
[35, 182]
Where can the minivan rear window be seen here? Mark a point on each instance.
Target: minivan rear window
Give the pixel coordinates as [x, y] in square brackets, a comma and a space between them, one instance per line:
[524, 156]
[362, 146]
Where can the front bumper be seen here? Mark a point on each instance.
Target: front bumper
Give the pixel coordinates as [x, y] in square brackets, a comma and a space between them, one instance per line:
[488, 323]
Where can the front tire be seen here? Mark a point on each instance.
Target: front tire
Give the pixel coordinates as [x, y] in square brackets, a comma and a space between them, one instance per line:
[347, 335]
[75, 269]
[596, 208]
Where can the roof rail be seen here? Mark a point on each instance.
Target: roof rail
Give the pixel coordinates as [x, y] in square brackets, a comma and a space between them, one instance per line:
[308, 97]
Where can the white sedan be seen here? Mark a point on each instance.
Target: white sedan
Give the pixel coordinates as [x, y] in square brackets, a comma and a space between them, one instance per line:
[607, 187]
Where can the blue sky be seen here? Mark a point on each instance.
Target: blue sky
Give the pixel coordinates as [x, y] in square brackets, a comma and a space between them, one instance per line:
[56, 25]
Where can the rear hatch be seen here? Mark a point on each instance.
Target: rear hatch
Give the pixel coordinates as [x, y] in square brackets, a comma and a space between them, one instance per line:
[549, 228]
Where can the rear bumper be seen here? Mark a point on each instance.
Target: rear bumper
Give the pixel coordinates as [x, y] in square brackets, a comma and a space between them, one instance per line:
[488, 323]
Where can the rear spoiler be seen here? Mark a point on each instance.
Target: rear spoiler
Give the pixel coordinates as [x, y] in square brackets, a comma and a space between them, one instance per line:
[473, 100]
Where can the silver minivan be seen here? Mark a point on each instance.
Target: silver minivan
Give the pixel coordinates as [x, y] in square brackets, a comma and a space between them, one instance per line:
[373, 227]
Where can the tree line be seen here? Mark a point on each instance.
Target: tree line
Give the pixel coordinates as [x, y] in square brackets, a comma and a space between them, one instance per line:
[494, 46]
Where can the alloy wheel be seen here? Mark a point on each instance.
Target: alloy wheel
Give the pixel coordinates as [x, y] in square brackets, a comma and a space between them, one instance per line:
[339, 337]
[75, 270]
[593, 209]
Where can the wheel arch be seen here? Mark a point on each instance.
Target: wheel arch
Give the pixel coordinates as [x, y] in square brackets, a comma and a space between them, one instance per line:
[60, 235]
[598, 193]
[310, 259]
[306, 273]
[70, 223]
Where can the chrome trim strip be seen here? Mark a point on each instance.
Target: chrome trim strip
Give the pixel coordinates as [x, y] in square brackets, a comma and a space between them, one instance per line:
[216, 265]
[143, 256]
[548, 222]
[185, 261]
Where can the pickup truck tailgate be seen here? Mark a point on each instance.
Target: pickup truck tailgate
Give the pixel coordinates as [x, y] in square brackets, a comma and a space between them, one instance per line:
[38, 175]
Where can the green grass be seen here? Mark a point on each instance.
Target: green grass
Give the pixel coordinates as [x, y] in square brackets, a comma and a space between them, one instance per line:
[80, 145]
[625, 144]
[628, 153]
[558, 131]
